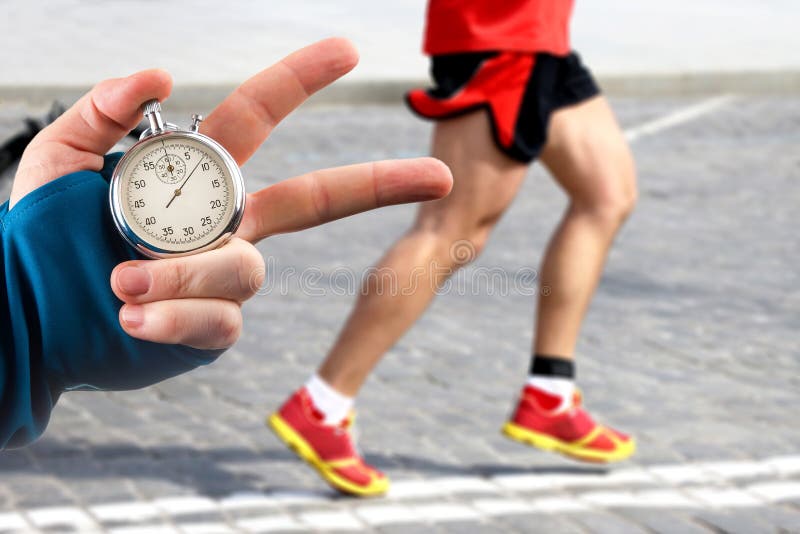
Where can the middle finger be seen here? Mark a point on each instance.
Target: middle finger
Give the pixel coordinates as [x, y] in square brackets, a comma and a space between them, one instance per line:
[247, 116]
[232, 272]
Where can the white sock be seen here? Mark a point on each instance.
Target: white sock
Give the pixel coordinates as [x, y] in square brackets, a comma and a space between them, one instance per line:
[555, 385]
[333, 405]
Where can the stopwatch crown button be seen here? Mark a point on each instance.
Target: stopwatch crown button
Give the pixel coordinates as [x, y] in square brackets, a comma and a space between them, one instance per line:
[152, 112]
[151, 106]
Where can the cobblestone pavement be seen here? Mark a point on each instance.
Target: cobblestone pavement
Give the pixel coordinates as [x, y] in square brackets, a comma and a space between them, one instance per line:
[691, 344]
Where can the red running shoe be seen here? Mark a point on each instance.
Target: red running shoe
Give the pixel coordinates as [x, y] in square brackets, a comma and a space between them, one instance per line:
[328, 449]
[571, 431]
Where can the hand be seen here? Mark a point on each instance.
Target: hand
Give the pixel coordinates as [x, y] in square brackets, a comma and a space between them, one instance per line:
[196, 300]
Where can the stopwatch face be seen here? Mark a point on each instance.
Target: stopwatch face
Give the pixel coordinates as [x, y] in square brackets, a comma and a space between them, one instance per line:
[176, 193]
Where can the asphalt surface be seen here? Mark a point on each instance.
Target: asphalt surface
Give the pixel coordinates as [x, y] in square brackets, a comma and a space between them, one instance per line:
[691, 344]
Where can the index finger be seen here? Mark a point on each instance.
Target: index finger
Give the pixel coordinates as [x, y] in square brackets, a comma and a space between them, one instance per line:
[78, 139]
[247, 116]
[322, 196]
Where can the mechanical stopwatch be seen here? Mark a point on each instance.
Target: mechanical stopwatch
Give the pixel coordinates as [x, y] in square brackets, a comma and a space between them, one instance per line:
[176, 192]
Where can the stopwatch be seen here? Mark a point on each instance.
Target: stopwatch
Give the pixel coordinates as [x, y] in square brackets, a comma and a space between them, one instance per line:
[176, 192]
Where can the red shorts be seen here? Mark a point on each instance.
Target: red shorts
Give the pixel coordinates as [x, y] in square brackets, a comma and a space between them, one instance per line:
[520, 90]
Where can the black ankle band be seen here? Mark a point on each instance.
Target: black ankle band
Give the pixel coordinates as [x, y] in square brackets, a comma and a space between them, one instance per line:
[544, 365]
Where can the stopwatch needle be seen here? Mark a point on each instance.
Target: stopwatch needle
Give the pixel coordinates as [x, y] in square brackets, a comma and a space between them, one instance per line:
[178, 191]
[166, 154]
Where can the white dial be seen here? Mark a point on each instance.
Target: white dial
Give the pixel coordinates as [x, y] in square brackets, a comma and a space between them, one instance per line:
[177, 193]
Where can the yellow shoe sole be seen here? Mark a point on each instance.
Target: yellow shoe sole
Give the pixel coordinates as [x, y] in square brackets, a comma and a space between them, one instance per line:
[576, 450]
[305, 452]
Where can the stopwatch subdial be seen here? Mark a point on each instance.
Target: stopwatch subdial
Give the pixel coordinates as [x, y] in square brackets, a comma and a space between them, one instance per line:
[170, 169]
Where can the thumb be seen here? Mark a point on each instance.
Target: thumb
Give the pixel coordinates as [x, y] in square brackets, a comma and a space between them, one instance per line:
[79, 138]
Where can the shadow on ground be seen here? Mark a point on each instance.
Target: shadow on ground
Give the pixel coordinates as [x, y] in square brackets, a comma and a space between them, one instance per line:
[222, 471]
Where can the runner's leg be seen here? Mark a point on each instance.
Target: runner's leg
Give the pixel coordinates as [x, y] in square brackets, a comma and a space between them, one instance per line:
[315, 420]
[485, 182]
[587, 154]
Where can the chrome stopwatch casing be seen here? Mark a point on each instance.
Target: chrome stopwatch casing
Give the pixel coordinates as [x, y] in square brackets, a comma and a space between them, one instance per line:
[176, 192]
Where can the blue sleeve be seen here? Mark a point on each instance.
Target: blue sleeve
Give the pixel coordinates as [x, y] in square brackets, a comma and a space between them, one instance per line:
[59, 327]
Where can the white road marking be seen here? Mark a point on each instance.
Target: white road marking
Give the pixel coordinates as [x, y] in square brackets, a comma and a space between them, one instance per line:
[499, 506]
[12, 521]
[146, 529]
[689, 486]
[415, 489]
[776, 491]
[206, 528]
[680, 474]
[270, 523]
[678, 117]
[186, 505]
[61, 516]
[557, 505]
[331, 520]
[669, 498]
[733, 470]
[245, 501]
[127, 511]
[465, 484]
[530, 482]
[609, 499]
[695, 485]
[786, 465]
[444, 512]
[301, 497]
[724, 497]
[384, 514]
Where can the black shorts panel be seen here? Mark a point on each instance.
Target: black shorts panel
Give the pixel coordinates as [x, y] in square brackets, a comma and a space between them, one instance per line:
[519, 90]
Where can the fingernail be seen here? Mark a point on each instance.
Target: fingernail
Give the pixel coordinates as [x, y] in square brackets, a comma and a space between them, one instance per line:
[134, 280]
[132, 315]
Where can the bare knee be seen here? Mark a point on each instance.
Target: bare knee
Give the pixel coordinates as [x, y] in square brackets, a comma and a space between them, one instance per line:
[452, 247]
[612, 199]
[465, 248]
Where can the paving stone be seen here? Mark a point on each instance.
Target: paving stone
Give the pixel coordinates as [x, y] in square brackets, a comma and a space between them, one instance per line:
[539, 523]
[601, 523]
[785, 519]
[409, 529]
[456, 527]
[734, 521]
[690, 343]
[36, 490]
[661, 521]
